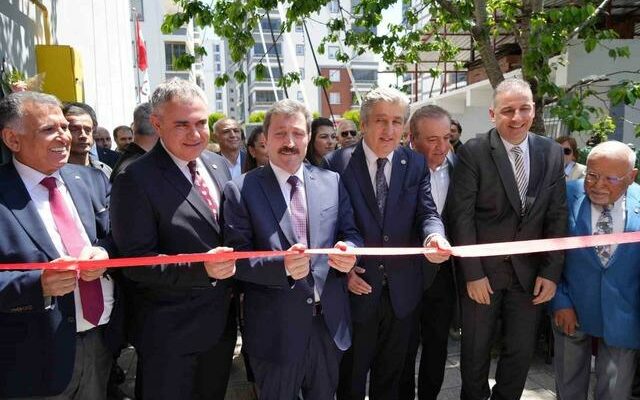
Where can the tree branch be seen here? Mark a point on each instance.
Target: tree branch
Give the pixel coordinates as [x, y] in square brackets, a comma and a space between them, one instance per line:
[589, 20]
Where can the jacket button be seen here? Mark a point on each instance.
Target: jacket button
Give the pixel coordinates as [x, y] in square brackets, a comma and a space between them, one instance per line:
[381, 267]
[309, 300]
[385, 238]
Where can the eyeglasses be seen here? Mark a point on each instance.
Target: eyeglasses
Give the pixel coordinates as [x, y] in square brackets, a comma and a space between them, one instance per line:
[344, 134]
[567, 151]
[77, 129]
[593, 178]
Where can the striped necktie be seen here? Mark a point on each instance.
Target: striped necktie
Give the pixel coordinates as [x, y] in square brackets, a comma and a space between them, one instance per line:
[521, 175]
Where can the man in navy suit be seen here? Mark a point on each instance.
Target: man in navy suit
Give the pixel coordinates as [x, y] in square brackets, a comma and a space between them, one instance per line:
[430, 131]
[297, 319]
[167, 202]
[390, 189]
[53, 338]
[598, 297]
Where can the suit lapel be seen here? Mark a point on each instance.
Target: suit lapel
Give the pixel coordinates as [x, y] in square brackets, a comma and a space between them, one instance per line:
[503, 165]
[271, 188]
[315, 197]
[81, 200]
[179, 182]
[536, 170]
[218, 171]
[398, 171]
[19, 202]
[583, 221]
[358, 163]
[632, 218]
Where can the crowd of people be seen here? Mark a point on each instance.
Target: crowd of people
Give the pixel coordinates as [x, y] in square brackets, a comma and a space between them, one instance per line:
[313, 326]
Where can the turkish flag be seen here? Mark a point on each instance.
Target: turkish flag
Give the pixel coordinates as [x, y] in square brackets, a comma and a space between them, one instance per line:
[142, 49]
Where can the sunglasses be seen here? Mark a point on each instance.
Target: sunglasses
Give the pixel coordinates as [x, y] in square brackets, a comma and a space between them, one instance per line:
[344, 134]
[567, 151]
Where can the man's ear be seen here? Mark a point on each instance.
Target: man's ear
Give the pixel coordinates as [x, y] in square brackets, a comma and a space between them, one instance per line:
[11, 139]
[492, 114]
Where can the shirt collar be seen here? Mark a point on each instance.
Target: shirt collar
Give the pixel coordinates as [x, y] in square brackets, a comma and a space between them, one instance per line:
[524, 145]
[31, 177]
[282, 175]
[372, 157]
[444, 165]
[179, 162]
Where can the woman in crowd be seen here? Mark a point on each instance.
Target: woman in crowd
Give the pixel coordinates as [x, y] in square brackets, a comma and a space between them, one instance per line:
[572, 169]
[323, 140]
[256, 150]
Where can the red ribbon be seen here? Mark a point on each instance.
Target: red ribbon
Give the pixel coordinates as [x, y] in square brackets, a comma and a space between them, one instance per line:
[476, 250]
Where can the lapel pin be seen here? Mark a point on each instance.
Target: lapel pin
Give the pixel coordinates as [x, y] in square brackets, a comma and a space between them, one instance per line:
[636, 210]
[214, 166]
[77, 177]
[403, 161]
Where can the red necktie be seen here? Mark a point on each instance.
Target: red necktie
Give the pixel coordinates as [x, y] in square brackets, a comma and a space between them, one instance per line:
[90, 292]
[202, 188]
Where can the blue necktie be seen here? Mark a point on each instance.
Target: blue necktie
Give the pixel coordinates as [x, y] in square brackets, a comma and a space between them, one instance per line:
[382, 189]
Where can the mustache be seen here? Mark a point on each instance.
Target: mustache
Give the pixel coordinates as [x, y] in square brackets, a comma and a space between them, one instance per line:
[288, 150]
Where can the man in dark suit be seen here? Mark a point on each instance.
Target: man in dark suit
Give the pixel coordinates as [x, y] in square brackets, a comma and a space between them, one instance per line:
[55, 326]
[144, 138]
[297, 319]
[390, 189]
[229, 135]
[167, 202]
[102, 139]
[507, 185]
[429, 135]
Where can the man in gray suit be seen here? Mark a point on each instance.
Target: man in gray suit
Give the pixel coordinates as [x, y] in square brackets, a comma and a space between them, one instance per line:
[508, 185]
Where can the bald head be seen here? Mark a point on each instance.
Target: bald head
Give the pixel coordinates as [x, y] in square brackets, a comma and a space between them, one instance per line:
[610, 171]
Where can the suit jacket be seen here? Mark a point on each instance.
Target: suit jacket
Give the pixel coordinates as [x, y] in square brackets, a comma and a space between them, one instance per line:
[578, 172]
[606, 300]
[156, 210]
[278, 310]
[131, 152]
[485, 207]
[108, 156]
[410, 216]
[37, 345]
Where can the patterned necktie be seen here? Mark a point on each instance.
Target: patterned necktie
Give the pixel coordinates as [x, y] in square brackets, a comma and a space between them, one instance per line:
[382, 189]
[298, 210]
[521, 175]
[604, 225]
[202, 188]
[90, 292]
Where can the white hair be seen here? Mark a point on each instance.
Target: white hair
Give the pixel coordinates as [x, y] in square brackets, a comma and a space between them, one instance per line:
[614, 148]
[383, 94]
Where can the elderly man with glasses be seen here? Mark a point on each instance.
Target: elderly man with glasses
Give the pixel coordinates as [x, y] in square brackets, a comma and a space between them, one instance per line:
[347, 133]
[598, 297]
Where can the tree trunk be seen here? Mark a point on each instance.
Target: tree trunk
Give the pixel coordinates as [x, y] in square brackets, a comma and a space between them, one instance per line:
[482, 38]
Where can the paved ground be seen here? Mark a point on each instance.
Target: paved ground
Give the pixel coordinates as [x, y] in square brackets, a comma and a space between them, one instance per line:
[540, 383]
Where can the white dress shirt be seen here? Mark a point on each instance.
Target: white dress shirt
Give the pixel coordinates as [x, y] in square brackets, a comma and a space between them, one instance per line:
[40, 198]
[617, 216]
[372, 165]
[440, 184]
[234, 168]
[525, 155]
[282, 176]
[182, 165]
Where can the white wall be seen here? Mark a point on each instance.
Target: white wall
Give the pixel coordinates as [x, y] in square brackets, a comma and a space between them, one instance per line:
[99, 31]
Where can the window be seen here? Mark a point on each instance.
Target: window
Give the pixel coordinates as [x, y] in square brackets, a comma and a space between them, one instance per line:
[266, 96]
[299, 49]
[275, 73]
[218, 68]
[301, 73]
[365, 75]
[299, 96]
[332, 51]
[219, 105]
[218, 96]
[334, 6]
[173, 50]
[258, 50]
[334, 75]
[216, 57]
[334, 98]
[216, 48]
[275, 24]
[299, 28]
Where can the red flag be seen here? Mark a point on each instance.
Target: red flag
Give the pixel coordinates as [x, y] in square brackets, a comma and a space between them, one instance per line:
[142, 49]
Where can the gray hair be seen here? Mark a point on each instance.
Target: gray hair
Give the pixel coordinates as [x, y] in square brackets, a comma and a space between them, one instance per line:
[516, 85]
[176, 89]
[11, 107]
[611, 148]
[383, 94]
[141, 124]
[289, 108]
[430, 111]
